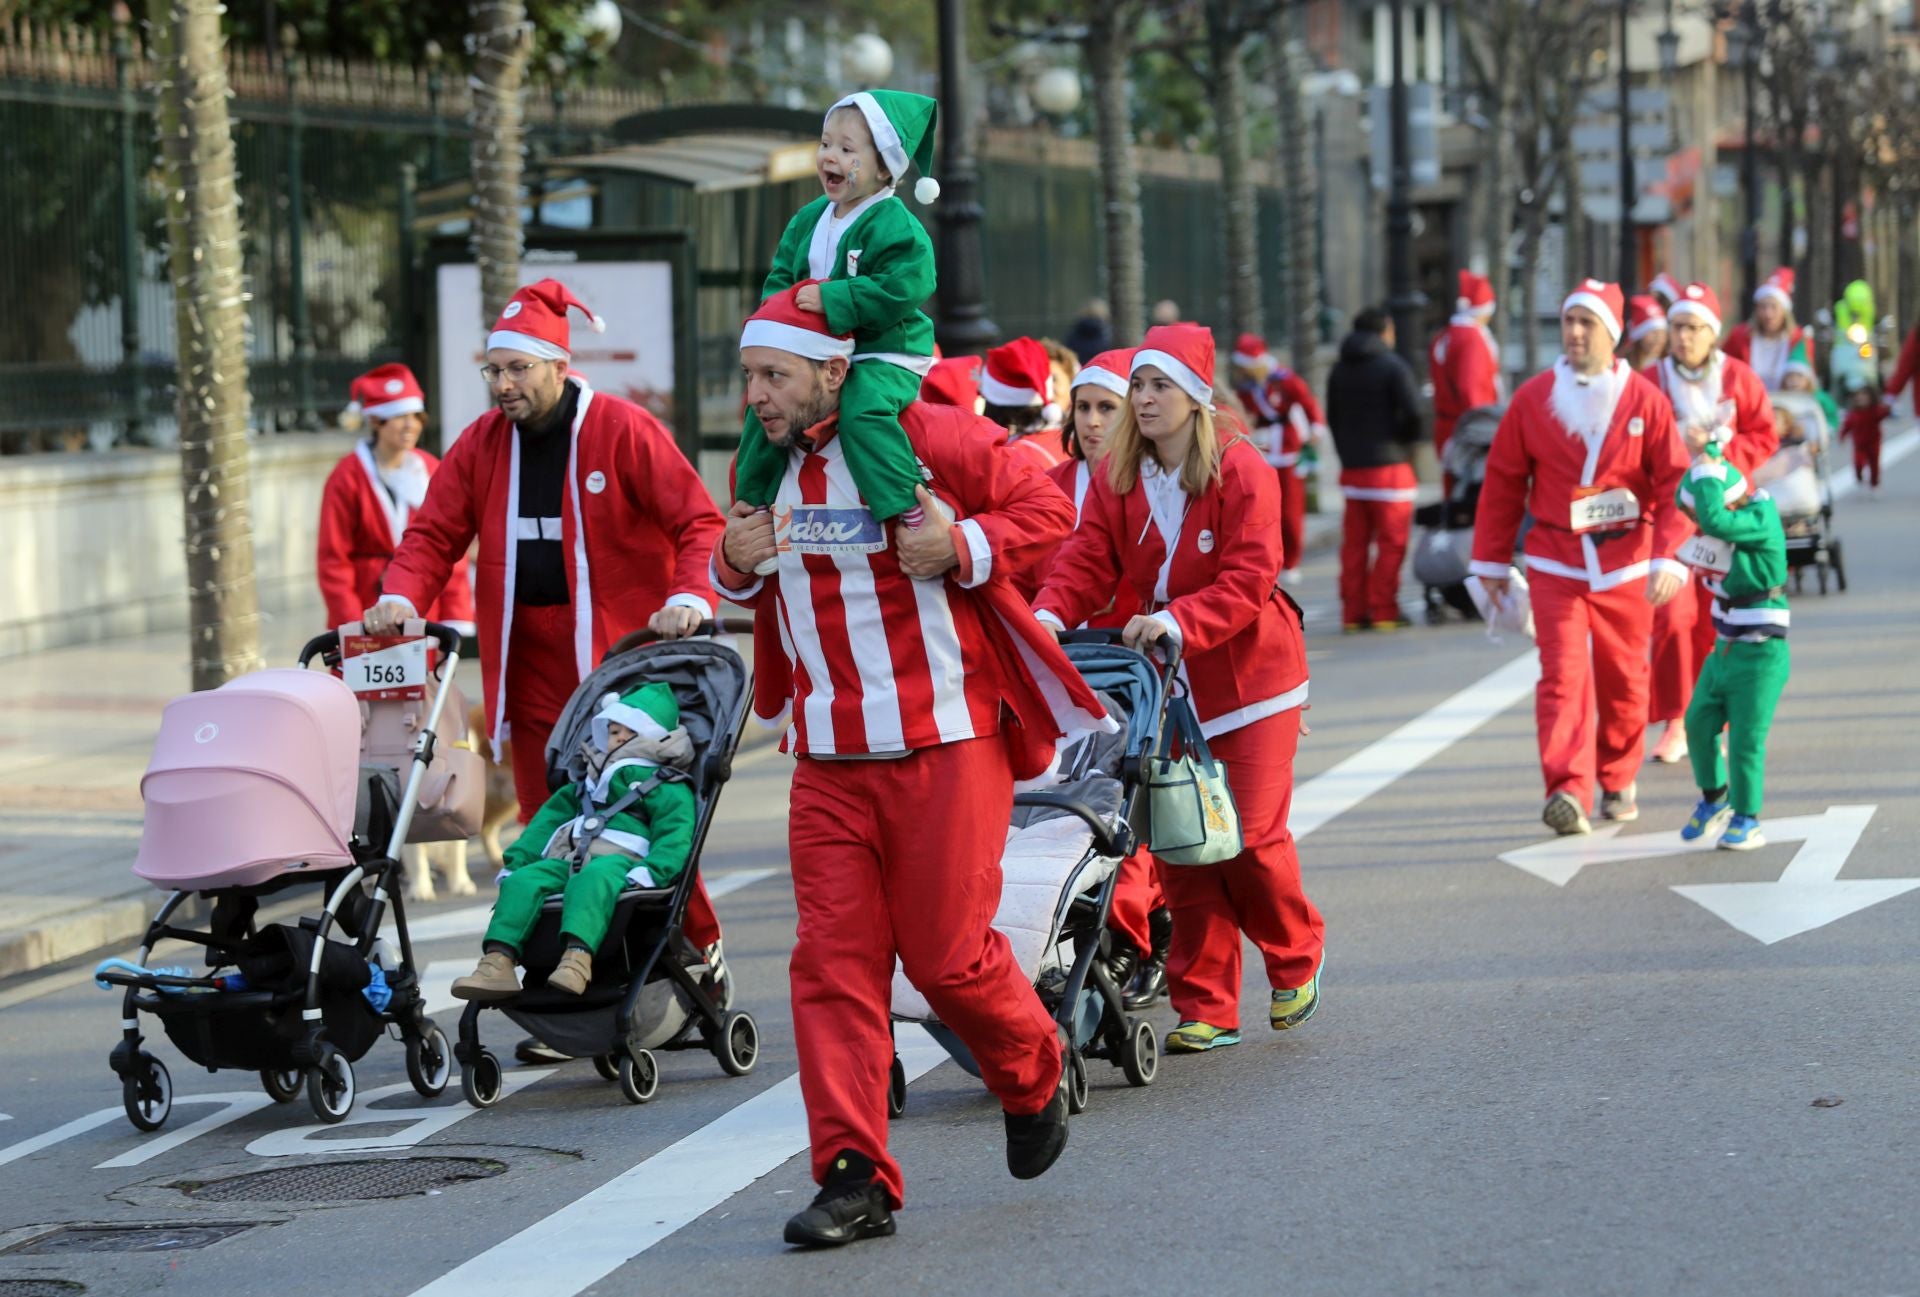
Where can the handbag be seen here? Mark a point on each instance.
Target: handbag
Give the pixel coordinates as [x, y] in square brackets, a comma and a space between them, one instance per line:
[1191, 818]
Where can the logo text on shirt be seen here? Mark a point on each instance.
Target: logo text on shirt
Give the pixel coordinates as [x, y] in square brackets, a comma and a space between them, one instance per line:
[817, 529]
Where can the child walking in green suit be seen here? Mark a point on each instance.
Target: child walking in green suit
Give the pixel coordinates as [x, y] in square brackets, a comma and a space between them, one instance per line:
[875, 264]
[1742, 552]
[630, 822]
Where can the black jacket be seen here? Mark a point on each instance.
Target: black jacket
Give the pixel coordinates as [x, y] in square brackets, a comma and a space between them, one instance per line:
[1372, 408]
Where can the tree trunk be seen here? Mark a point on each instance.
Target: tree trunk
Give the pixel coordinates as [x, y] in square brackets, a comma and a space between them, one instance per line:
[1580, 261]
[1228, 90]
[1532, 227]
[1297, 270]
[502, 40]
[1109, 44]
[209, 304]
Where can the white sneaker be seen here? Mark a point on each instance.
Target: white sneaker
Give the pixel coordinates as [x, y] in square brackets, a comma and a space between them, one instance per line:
[1672, 748]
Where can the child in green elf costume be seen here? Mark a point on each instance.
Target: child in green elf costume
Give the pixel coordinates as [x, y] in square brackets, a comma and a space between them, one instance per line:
[1742, 553]
[875, 262]
[630, 821]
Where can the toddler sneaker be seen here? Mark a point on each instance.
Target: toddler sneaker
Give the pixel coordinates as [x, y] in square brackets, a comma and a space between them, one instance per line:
[1743, 834]
[493, 979]
[573, 972]
[1707, 817]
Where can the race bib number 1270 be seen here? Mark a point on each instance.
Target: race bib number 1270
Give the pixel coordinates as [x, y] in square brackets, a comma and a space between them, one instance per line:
[385, 667]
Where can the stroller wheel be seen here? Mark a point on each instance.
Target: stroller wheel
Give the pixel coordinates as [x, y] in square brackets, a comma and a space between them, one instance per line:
[282, 1084]
[896, 1088]
[1141, 1062]
[148, 1093]
[480, 1080]
[1839, 566]
[738, 1044]
[1079, 1085]
[330, 1087]
[639, 1075]
[430, 1061]
[605, 1065]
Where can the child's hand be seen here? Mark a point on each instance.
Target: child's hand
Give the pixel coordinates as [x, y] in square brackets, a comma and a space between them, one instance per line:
[808, 299]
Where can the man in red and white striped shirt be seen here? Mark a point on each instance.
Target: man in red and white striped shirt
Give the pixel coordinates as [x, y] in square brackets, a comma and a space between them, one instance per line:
[920, 688]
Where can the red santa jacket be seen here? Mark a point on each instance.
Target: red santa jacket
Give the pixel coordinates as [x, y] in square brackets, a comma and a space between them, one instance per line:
[1242, 654]
[1539, 465]
[1282, 414]
[1907, 368]
[1864, 424]
[1007, 515]
[360, 525]
[1041, 448]
[1464, 367]
[637, 525]
[1739, 344]
[1074, 479]
[1751, 438]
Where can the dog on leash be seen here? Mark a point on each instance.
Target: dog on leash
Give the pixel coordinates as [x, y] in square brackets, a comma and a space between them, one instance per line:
[422, 859]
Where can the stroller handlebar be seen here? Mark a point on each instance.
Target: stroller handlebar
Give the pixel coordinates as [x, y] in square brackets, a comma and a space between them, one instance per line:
[707, 629]
[1168, 647]
[328, 643]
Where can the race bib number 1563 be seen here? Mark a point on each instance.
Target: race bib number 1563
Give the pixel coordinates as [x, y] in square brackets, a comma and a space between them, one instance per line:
[384, 667]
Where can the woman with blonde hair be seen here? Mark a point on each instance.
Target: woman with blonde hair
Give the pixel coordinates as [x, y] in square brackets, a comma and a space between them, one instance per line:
[1187, 514]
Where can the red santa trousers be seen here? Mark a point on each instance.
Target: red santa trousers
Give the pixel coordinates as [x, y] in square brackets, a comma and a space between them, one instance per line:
[1136, 894]
[1258, 892]
[1374, 542]
[541, 675]
[1578, 682]
[1682, 638]
[1293, 518]
[902, 858]
[1866, 452]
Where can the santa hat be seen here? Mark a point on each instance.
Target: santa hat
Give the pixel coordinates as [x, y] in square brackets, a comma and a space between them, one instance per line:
[1250, 351]
[386, 392]
[1476, 295]
[952, 382]
[1184, 353]
[1112, 370]
[782, 325]
[1779, 287]
[1665, 286]
[902, 127]
[1019, 375]
[1603, 299]
[651, 711]
[534, 321]
[1644, 315]
[1698, 301]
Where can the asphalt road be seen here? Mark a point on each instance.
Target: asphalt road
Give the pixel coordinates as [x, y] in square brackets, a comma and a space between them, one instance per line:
[1541, 1079]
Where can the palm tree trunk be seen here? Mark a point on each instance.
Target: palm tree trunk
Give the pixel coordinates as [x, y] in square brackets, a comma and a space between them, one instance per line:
[1110, 31]
[209, 303]
[1297, 271]
[502, 41]
[1228, 89]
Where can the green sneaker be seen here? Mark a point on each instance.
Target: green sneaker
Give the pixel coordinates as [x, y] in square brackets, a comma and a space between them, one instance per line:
[1199, 1037]
[1291, 1008]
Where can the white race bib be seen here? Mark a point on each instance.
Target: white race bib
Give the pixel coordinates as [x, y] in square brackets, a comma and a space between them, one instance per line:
[1613, 510]
[382, 667]
[1706, 554]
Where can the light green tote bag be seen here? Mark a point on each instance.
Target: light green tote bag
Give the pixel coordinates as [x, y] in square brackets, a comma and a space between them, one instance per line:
[1191, 816]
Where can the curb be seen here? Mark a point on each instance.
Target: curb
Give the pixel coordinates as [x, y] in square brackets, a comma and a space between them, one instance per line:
[77, 932]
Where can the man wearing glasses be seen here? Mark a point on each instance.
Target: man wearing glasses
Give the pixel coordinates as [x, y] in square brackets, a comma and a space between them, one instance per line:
[591, 525]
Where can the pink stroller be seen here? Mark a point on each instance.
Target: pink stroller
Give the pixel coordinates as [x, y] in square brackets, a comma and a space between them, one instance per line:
[276, 780]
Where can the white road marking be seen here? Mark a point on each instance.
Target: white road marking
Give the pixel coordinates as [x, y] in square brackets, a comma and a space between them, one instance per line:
[59, 1134]
[416, 1123]
[601, 1231]
[237, 1104]
[1841, 480]
[1340, 789]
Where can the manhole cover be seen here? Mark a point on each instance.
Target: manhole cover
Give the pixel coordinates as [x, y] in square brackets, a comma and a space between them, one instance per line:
[343, 1181]
[39, 1288]
[126, 1238]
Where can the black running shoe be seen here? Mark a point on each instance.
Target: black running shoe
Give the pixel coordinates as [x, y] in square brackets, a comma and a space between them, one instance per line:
[850, 1206]
[1034, 1143]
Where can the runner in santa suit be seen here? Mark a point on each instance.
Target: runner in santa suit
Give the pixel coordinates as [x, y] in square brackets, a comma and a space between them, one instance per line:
[1017, 384]
[920, 687]
[1646, 331]
[1766, 343]
[1285, 420]
[1186, 513]
[1589, 449]
[1719, 399]
[589, 519]
[1464, 361]
[370, 497]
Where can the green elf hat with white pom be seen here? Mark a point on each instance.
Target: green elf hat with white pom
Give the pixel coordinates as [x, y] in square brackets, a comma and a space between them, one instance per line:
[1711, 474]
[651, 711]
[902, 124]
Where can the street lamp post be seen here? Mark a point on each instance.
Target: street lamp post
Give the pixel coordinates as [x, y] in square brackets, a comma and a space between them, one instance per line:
[1629, 188]
[129, 222]
[1743, 48]
[1404, 300]
[962, 326]
[306, 418]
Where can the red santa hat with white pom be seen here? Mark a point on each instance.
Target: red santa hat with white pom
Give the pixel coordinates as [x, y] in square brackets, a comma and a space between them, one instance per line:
[1603, 299]
[1779, 287]
[1699, 302]
[534, 322]
[383, 392]
[1017, 376]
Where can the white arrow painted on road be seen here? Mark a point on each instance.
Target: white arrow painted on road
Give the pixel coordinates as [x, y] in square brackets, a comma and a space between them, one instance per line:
[1808, 895]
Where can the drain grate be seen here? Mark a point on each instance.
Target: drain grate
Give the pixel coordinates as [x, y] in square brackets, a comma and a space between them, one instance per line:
[126, 1238]
[40, 1288]
[344, 1181]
